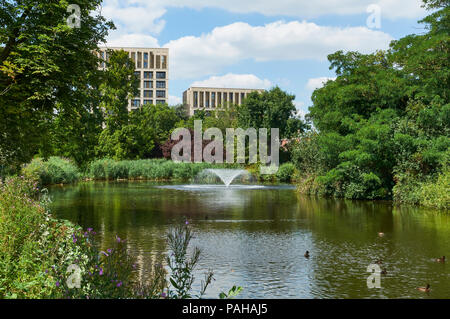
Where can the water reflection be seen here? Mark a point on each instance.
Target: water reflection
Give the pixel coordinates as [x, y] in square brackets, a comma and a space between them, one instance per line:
[256, 237]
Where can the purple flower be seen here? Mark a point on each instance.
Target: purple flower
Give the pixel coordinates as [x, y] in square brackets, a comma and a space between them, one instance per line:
[101, 272]
[102, 252]
[109, 250]
[187, 223]
[119, 284]
[163, 295]
[118, 239]
[57, 284]
[89, 229]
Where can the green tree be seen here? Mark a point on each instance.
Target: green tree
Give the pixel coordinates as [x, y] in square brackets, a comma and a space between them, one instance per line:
[269, 109]
[44, 64]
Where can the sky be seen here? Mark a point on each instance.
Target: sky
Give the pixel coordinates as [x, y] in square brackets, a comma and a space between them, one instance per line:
[258, 43]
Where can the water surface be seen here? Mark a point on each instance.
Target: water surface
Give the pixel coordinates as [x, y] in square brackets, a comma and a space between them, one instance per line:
[256, 237]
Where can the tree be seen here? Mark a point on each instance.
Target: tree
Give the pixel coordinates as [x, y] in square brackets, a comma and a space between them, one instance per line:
[384, 123]
[44, 64]
[119, 139]
[269, 109]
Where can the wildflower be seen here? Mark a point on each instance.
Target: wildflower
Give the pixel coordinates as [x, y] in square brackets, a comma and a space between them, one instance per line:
[109, 250]
[102, 252]
[101, 272]
[119, 284]
[163, 295]
[187, 223]
[118, 239]
[57, 284]
[89, 229]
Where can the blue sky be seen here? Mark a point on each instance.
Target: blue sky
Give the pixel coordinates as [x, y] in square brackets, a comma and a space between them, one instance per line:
[258, 43]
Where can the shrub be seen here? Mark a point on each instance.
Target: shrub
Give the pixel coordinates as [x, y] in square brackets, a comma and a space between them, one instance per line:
[55, 170]
[286, 172]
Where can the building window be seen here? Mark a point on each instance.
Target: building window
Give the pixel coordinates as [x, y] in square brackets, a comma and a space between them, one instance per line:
[160, 93]
[213, 99]
[133, 58]
[148, 93]
[201, 99]
[139, 60]
[137, 74]
[148, 102]
[236, 98]
[231, 97]
[160, 84]
[207, 99]
[225, 97]
[148, 75]
[219, 99]
[163, 62]
[135, 103]
[242, 97]
[160, 75]
[158, 62]
[148, 84]
[195, 99]
[145, 60]
[152, 60]
[160, 101]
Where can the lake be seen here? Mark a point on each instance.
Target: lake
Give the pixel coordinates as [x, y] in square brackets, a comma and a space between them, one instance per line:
[256, 237]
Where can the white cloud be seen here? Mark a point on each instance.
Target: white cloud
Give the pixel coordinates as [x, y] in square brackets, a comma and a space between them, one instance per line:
[301, 109]
[174, 100]
[317, 83]
[145, 17]
[207, 54]
[230, 80]
[390, 9]
[132, 40]
[135, 16]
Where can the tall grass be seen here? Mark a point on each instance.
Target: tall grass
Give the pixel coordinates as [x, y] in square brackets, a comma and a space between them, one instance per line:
[55, 170]
[150, 169]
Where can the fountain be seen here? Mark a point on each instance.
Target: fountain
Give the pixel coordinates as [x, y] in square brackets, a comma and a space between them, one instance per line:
[227, 176]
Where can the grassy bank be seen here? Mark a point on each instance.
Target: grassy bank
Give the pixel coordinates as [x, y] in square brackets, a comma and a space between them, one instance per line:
[57, 170]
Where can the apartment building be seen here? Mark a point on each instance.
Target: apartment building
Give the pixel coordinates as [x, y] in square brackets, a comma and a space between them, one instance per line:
[210, 99]
[152, 68]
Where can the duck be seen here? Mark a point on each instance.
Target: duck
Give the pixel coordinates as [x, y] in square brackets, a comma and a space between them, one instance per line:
[307, 254]
[441, 260]
[424, 289]
[384, 271]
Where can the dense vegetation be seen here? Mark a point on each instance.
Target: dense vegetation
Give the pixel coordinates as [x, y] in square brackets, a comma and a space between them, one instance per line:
[383, 124]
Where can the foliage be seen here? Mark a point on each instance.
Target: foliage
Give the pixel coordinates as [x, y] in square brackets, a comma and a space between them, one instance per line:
[286, 172]
[46, 67]
[233, 292]
[181, 265]
[269, 109]
[55, 170]
[383, 124]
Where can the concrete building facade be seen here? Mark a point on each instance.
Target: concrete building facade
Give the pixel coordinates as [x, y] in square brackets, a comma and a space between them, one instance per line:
[210, 99]
[152, 68]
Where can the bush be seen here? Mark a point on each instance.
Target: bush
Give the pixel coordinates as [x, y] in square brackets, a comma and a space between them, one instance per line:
[286, 172]
[56, 170]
